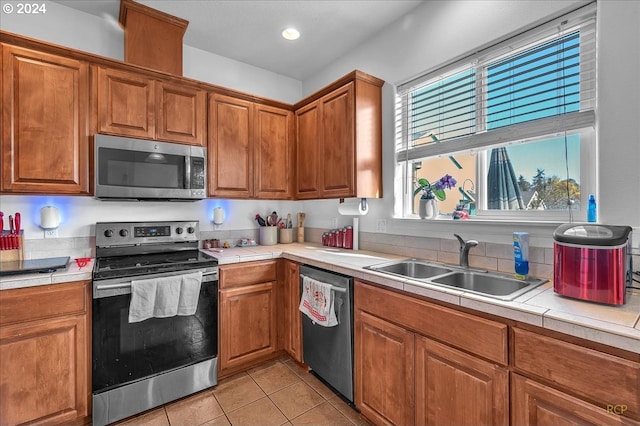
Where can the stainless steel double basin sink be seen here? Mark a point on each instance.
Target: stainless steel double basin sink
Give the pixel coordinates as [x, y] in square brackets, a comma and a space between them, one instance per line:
[491, 284]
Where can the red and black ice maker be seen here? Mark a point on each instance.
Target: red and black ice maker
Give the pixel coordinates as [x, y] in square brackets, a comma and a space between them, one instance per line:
[592, 262]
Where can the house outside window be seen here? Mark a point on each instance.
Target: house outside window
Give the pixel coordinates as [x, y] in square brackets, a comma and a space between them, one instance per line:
[514, 125]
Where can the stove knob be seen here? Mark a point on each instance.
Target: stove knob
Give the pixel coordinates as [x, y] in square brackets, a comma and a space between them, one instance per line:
[108, 233]
[124, 232]
[179, 230]
[191, 230]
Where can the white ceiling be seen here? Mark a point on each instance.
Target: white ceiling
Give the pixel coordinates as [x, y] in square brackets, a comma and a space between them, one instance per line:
[249, 30]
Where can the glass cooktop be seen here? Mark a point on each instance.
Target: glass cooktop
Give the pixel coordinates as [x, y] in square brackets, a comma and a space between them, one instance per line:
[134, 265]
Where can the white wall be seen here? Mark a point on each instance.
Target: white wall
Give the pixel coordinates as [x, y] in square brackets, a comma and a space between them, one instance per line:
[440, 31]
[78, 30]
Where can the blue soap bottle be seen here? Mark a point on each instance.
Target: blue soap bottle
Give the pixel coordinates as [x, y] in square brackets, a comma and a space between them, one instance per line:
[592, 214]
[521, 254]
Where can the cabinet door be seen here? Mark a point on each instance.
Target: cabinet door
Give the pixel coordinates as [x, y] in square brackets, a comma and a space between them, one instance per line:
[572, 367]
[43, 372]
[537, 405]
[247, 328]
[454, 388]
[45, 354]
[292, 315]
[338, 144]
[126, 104]
[230, 147]
[45, 137]
[273, 152]
[181, 113]
[384, 370]
[308, 151]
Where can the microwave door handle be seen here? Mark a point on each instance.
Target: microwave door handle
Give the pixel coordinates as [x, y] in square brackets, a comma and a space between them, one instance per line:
[187, 172]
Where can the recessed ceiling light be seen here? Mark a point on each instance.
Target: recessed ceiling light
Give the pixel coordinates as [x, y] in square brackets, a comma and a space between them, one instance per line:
[290, 33]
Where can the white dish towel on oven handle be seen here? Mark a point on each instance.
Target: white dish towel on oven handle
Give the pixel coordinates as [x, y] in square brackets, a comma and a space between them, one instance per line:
[317, 302]
[165, 296]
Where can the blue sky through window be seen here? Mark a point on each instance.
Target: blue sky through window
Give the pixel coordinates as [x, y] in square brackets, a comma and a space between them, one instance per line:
[540, 82]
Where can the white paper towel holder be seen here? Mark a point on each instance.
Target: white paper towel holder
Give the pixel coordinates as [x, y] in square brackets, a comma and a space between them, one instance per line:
[353, 209]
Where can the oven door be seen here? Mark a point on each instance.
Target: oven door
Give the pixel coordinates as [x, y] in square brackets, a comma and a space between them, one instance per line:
[137, 366]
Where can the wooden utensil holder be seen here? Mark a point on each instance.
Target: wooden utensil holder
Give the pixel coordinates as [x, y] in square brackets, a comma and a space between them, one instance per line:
[13, 254]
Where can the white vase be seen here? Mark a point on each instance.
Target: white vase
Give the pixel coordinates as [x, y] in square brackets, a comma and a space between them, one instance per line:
[428, 208]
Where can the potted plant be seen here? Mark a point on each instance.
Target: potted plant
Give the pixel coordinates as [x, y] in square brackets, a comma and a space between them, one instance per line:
[428, 206]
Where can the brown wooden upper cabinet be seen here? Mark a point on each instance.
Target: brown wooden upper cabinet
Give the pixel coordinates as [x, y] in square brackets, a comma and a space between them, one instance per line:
[339, 140]
[250, 149]
[133, 104]
[44, 123]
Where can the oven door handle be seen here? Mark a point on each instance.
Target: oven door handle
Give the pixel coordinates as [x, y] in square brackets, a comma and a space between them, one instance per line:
[206, 277]
[100, 287]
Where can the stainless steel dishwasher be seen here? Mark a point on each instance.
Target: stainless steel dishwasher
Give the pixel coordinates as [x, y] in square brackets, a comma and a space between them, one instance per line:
[329, 350]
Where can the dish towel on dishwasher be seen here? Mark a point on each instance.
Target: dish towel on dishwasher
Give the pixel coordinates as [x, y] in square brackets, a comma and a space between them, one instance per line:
[317, 302]
[165, 296]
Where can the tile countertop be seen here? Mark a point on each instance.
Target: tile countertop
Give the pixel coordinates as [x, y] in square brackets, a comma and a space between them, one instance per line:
[72, 273]
[617, 326]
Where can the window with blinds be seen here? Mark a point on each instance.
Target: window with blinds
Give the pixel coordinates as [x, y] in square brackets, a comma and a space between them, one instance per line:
[513, 124]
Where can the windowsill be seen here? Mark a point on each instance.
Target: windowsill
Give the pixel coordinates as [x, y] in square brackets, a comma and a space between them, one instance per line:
[485, 221]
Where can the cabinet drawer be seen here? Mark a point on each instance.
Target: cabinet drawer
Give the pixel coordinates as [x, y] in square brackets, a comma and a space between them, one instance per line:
[535, 404]
[599, 377]
[34, 303]
[480, 336]
[242, 274]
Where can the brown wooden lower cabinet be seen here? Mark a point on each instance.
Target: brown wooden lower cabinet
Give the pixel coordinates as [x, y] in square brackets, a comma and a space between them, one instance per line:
[421, 363]
[292, 315]
[455, 388]
[248, 325]
[384, 370]
[45, 354]
[535, 404]
[247, 328]
[406, 378]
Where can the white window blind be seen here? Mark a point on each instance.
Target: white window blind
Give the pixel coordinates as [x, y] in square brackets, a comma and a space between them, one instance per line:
[536, 76]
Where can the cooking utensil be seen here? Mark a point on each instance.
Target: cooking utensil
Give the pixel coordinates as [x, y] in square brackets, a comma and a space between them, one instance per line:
[11, 228]
[274, 219]
[260, 220]
[289, 224]
[2, 221]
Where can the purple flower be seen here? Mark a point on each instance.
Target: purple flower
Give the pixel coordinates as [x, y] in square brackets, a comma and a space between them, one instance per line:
[446, 182]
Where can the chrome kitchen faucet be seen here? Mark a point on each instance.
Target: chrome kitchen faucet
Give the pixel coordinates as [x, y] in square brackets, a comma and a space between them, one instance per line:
[465, 246]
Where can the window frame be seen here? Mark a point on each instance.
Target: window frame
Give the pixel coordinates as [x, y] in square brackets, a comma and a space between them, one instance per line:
[582, 121]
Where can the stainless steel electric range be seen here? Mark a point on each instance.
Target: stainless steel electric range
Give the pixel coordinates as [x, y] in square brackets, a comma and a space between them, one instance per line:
[141, 365]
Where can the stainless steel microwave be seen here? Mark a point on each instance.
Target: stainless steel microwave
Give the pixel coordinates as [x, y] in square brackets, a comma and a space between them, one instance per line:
[127, 168]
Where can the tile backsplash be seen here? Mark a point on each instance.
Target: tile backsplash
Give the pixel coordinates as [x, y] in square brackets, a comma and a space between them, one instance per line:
[491, 256]
[74, 247]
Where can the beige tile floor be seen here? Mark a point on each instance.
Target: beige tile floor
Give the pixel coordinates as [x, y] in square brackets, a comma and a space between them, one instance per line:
[280, 392]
